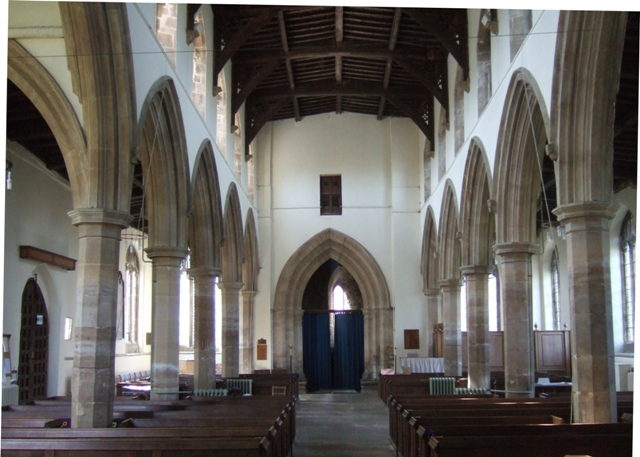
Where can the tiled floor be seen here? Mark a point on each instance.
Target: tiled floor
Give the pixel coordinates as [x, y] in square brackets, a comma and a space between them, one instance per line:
[342, 424]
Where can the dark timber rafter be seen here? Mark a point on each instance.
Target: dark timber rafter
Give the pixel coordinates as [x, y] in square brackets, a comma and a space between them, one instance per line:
[291, 62]
[395, 28]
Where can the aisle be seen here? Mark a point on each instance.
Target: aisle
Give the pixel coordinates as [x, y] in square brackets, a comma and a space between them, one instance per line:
[342, 424]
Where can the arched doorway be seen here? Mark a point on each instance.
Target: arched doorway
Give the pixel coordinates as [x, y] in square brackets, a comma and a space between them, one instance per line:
[376, 303]
[34, 344]
[333, 330]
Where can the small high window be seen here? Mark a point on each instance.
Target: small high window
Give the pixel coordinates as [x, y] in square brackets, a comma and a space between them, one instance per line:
[331, 195]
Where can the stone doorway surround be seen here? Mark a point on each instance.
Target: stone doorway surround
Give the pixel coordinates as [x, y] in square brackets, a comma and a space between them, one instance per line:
[376, 302]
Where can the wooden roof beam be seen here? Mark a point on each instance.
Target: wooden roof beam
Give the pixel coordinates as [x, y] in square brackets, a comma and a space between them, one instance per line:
[352, 88]
[395, 28]
[414, 115]
[253, 130]
[238, 98]
[437, 92]
[285, 45]
[448, 40]
[192, 33]
[339, 38]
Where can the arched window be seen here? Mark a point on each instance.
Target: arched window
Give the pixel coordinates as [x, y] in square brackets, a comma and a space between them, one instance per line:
[131, 299]
[251, 178]
[519, 27]
[442, 144]
[221, 114]
[495, 323]
[484, 60]
[555, 290]
[187, 307]
[199, 89]
[463, 306]
[237, 152]
[628, 255]
[339, 299]
[458, 111]
[166, 29]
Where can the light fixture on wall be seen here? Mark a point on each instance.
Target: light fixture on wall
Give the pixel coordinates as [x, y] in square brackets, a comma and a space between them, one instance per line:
[8, 167]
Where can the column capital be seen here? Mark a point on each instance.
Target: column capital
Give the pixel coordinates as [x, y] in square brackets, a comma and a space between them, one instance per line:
[450, 283]
[249, 293]
[468, 270]
[204, 271]
[172, 255]
[434, 292]
[515, 247]
[230, 285]
[587, 210]
[99, 222]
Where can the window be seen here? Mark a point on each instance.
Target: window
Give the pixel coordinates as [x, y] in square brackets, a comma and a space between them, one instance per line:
[131, 282]
[628, 255]
[166, 31]
[221, 114]
[555, 290]
[237, 151]
[494, 302]
[187, 308]
[199, 90]
[331, 195]
[463, 306]
[251, 179]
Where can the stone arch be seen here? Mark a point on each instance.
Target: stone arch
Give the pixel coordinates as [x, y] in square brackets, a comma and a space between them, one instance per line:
[483, 53]
[233, 244]
[516, 185]
[585, 83]
[43, 91]
[428, 261]
[476, 223]
[205, 223]
[448, 242]
[251, 265]
[165, 165]
[458, 109]
[376, 301]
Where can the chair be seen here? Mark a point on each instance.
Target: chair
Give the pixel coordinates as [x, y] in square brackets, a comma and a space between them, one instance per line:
[406, 370]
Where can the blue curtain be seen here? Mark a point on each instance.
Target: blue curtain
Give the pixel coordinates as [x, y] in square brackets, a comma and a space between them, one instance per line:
[348, 355]
[316, 351]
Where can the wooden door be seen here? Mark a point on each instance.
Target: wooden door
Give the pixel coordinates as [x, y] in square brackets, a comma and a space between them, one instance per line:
[34, 339]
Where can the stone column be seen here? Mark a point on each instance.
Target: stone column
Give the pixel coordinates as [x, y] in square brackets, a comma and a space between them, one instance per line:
[433, 312]
[515, 296]
[230, 328]
[592, 350]
[165, 296]
[246, 326]
[451, 320]
[479, 366]
[93, 379]
[204, 354]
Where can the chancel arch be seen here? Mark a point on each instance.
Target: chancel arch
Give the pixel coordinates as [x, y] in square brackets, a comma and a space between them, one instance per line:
[205, 242]
[478, 228]
[163, 155]
[327, 245]
[516, 190]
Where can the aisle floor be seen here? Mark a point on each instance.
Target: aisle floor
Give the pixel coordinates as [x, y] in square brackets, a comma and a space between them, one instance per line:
[342, 424]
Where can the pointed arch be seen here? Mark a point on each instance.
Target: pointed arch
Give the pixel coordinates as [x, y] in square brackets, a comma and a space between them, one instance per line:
[448, 243]
[477, 223]
[206, 222]
[251, 266]
[43, 91]
[521, 144]
[376, 301]
[428, 261]
[165, 166]
[233, 241]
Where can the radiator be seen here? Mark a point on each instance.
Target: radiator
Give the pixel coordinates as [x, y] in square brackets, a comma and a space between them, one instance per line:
[245, 386]
[442, 385]
[471, 391]
[210, 392]
[10, 394]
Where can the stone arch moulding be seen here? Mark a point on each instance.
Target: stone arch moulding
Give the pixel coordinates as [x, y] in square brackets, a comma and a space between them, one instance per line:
[165, 164]
[251, 265]
[429, 260]
[449, 244]
[205, 223]
[475, 215]
[44, 92]
[376, 301]
[516, 185]
[233, 242]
